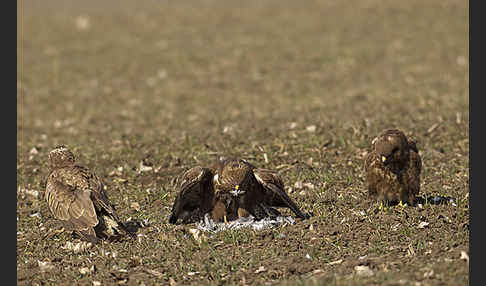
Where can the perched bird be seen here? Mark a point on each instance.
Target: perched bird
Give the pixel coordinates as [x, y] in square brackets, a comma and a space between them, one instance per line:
[75, 195]
[393, 168]
[230, 188]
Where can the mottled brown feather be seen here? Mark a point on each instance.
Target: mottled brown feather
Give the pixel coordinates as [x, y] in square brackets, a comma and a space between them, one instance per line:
[398, 177]
[195, 195]
[75, 195]
[274, 193]
[234, 190]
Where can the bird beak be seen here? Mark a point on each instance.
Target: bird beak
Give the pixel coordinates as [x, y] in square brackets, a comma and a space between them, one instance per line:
[383, 159]
[236, 191]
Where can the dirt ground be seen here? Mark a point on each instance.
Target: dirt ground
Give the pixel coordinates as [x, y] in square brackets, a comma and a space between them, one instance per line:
[143, 90]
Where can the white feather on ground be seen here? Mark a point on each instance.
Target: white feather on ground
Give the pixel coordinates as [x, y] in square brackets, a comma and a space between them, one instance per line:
[207, 224]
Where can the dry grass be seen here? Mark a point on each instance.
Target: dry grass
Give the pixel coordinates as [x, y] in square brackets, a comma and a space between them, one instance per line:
[309, 85]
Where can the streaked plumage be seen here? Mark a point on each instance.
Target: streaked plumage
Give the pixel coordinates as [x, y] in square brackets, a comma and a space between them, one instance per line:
[393, 168]
[228, 189]
[75, 195]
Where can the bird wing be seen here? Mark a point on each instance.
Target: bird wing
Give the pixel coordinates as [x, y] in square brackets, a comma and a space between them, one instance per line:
[80, 177]
[274, 191]
[195, 192]
[412, 145]
[373, 172]
[71, 204]
[414, 172]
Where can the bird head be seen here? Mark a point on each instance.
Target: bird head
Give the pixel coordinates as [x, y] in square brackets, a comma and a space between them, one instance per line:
[392, 149]
[60, 157]
[389, 151]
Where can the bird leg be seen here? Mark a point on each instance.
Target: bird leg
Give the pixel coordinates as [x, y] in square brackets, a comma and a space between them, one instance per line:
[243, 212]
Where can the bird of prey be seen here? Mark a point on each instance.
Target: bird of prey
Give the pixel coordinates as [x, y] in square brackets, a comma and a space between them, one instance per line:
[75, 195]
[230, 188]
[393, 168]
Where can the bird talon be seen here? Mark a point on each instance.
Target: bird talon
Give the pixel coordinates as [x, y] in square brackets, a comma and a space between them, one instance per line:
[382, 207]
[59, 231]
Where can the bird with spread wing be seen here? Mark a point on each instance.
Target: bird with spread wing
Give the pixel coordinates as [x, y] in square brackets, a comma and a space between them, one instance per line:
[392, 168]
[75, 195]
[230, 188]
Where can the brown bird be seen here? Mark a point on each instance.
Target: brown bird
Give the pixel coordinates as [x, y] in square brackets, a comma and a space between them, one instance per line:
[75, 195]
[230, 188]
[393, 168]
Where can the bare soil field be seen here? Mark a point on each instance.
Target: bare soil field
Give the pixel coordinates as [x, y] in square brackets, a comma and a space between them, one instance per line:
[143, 90]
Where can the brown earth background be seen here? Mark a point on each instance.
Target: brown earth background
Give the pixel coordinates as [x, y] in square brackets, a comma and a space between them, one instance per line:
[297, 86]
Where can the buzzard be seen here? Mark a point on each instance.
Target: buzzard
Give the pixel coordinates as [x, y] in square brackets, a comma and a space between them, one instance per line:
[228, 189]
[75, 195]
[393, 168]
